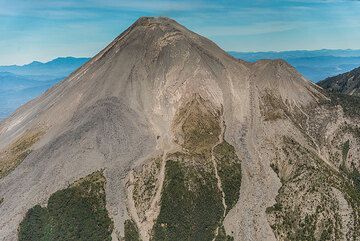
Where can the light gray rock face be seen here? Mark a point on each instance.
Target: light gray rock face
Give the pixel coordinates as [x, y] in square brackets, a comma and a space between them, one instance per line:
[119, 111]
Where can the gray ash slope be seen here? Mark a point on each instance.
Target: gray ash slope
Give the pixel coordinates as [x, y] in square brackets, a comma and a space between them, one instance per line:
[347, 83]
[193, 145]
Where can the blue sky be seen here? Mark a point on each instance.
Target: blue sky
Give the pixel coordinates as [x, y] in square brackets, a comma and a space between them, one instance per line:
[44, 29]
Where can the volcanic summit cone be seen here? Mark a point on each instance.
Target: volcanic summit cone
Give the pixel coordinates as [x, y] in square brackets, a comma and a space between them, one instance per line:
[164, 136]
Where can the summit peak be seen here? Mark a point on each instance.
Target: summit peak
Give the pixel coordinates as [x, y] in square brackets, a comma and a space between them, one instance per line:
[149, 21]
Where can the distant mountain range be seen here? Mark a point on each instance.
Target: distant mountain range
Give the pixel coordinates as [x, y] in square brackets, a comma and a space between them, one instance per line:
[59, 67]
[314, 65]
[19, 84]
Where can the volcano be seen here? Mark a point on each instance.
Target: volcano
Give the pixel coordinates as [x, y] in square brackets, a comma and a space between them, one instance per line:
[164, 136]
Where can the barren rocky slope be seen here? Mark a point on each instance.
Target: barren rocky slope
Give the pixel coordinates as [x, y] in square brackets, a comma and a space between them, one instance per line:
[164, 136]
[347, 83]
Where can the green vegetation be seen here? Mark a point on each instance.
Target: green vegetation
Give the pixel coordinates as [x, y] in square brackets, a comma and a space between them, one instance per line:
[345, 150]
[352, 185]
[272, 107]
[191, 207]
[145, 185]
[355, 177]
[276, 208]
[306, 229]
[229, 169]
[131, 231]
[222, 235]
[323, 223]
[350, 104]
[75, 213]
[308, 185]
[191, 202]
[199, 125]
[354, 130]
[291, 223]
[17, 152]
[327, 232]
[36, 225]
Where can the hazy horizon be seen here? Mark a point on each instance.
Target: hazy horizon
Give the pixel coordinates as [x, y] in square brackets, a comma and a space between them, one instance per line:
[229, 51]
[44, 30]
